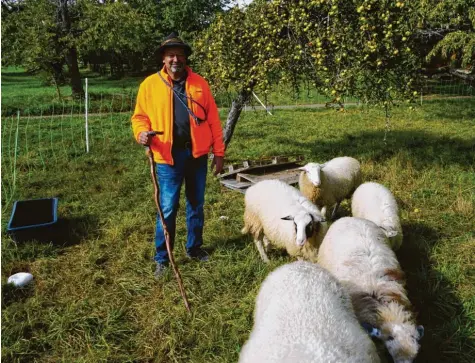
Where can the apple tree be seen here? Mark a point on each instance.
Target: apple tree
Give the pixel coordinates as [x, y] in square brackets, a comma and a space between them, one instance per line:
[362, 48]
[240, 52]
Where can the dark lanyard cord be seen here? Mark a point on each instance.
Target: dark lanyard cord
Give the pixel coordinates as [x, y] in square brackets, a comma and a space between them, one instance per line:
[196, 118]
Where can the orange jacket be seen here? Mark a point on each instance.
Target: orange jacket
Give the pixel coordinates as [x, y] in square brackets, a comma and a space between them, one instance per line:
[154, 111]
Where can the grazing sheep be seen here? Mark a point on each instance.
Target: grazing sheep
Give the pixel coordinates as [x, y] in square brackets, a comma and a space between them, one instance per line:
[303, 315]
[357, 252]
[270, 208]
[374, 202]
[328, 184]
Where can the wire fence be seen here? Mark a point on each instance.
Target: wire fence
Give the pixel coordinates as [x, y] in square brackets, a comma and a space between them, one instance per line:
[447, 86]
[38, 140]
[442, 85]
[34, 145]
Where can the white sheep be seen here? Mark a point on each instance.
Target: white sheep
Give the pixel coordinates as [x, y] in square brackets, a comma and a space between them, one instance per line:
[328, 184]
[270, 208]
[374, 202]
[302, 314]
[357, 252]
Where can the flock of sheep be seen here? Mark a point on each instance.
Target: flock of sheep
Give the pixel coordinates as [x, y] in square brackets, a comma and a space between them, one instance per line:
[348, 285]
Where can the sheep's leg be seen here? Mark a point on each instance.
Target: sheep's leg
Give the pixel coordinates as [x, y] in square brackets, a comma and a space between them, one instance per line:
[334, 211]
[261, 250]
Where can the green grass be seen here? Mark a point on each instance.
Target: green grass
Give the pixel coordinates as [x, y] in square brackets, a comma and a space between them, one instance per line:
[94, 297]
[25, 93]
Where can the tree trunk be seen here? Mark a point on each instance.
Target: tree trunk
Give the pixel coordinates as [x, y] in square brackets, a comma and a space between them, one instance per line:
[76, 83]
[234, 113]
[58, 90]
[72, 55]
[57, 76]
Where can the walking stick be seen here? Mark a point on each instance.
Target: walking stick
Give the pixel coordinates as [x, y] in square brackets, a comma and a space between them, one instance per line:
[149, 154]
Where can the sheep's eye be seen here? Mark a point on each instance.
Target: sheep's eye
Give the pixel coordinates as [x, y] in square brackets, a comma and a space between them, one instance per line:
[309, 229]
[390, 338]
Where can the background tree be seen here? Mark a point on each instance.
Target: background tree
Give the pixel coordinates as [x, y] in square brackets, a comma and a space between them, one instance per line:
[36, 45]
[362, 49]
[188, 17]
[447, 29]
[236, 53]
[117, 34]
[122, 36]
[39, 35]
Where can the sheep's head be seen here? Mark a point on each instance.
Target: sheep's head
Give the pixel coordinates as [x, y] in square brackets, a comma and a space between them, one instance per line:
[313, 172]
[305, 224]
[401, 339]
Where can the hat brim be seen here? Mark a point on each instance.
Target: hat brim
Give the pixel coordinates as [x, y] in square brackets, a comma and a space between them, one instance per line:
[185, 46]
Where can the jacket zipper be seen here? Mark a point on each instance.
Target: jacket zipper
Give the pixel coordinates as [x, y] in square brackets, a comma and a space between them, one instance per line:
[189, 103]
[171, 120]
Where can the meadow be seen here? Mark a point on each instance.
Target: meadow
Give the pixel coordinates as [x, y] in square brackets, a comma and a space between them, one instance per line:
[94, 296]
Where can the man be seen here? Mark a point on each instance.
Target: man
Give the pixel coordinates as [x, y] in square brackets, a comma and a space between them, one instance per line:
[178, 103]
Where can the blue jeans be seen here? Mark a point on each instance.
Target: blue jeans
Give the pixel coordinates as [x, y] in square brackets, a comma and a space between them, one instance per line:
[170, 179]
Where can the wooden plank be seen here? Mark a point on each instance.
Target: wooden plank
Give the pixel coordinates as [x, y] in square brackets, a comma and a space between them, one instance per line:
[248, 165]
[234, 185]
[234, 167]
[231, 183]
[287, 176]
[243, 177]
[240, 177]
[260, 169]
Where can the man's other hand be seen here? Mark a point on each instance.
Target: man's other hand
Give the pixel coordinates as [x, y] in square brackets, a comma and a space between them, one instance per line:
[217, 163]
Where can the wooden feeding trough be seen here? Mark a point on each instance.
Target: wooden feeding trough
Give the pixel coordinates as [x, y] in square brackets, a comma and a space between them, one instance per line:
[241, 176]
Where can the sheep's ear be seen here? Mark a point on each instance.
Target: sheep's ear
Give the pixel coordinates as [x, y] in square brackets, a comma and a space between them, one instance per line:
[420, 331]
[371, 330]
[390, 234]
[288, 218]
[324, 211]
[304, 168]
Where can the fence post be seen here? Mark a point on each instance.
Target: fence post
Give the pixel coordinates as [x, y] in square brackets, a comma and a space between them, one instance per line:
[16, 151]
[85, 114]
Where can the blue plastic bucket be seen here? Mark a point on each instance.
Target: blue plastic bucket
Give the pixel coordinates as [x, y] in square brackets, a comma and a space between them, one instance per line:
[34, 219]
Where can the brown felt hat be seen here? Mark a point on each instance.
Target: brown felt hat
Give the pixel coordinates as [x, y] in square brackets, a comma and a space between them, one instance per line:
[173, 40]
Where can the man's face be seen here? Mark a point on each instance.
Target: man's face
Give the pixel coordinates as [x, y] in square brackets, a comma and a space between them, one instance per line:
[174, 59]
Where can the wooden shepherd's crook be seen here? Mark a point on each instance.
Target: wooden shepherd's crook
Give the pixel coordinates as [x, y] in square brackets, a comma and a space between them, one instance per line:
[149, 154]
